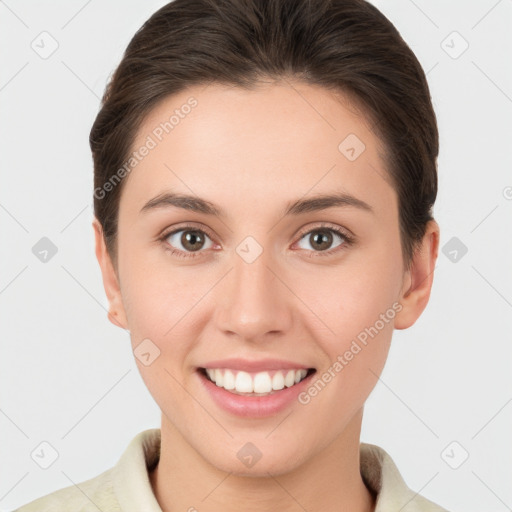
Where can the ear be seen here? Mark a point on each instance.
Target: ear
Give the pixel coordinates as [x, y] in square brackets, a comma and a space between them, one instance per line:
[418, 280]
[116, 313]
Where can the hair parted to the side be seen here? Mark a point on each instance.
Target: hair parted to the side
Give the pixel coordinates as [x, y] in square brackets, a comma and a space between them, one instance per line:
[347, 46]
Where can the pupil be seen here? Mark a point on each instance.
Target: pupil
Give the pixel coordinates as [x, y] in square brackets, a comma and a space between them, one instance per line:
[322, 236]
[190, 239]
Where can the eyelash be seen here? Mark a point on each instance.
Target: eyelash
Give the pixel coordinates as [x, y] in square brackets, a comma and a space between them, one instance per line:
[348, 240]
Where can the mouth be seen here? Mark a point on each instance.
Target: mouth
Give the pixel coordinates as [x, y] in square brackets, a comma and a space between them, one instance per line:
[263, 383]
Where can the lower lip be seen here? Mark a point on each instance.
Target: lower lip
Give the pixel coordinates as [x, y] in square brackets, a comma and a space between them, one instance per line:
[254, 406]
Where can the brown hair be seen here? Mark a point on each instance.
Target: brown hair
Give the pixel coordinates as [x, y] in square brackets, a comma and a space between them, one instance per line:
[347, 46]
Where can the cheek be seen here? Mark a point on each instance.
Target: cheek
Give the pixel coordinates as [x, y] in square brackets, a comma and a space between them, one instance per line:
[162, 309]
[156, 293]
[359, 318]
[355, 306]
[351, 297]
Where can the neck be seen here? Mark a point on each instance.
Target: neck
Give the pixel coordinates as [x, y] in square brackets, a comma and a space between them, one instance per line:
[330, 481]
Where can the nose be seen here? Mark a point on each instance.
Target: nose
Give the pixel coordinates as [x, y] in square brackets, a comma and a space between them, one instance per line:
[254, 301]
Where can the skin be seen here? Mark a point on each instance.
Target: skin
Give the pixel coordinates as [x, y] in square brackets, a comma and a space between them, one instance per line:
[250, 153]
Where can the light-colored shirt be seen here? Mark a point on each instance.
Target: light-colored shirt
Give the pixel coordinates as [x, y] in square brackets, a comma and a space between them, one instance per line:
[126, 486]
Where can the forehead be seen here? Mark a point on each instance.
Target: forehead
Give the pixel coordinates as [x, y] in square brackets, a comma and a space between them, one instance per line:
[245, 147]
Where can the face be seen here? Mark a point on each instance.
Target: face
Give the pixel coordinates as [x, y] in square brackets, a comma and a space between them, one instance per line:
[320, 285]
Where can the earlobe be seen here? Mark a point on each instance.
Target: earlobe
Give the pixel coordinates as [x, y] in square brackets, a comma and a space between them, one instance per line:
[418, 280]
[116, 313]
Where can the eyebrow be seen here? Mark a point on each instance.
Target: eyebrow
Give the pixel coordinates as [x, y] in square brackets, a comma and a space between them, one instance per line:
[316, 203]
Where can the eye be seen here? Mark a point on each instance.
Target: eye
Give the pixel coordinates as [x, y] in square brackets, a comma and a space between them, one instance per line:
[186, 241]
[322, 237]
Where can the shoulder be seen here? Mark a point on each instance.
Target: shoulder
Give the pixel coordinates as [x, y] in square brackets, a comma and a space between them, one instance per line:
[381, 475]
[88, 496]
[125, 486]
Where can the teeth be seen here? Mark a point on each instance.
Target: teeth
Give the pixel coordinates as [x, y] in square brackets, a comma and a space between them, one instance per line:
[278, 381]
[243, 382]
[259, 383]
[229, 380]
[289, 380]
[219, 377]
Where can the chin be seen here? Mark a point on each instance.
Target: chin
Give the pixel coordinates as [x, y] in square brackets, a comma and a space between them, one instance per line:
[260, 466]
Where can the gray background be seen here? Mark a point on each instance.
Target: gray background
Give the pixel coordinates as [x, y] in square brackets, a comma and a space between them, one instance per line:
[68, 377]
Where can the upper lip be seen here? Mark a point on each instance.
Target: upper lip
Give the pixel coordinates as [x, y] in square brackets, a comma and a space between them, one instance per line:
[255, 366]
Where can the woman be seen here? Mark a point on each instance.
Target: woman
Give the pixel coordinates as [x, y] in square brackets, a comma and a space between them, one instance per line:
[265, 172]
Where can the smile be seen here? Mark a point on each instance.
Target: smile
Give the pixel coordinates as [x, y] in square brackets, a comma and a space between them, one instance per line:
[255, 384]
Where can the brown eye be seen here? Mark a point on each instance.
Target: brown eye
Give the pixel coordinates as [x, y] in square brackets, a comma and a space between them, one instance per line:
[190, 240]
[321, 241]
